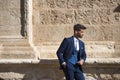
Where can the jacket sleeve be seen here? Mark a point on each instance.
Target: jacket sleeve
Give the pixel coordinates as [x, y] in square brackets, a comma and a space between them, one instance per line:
[61, 50]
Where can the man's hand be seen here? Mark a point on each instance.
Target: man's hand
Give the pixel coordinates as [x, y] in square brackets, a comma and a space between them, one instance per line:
[64, 64]
[81, 62]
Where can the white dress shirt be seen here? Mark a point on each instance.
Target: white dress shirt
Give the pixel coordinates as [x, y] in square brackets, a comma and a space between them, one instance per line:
[76, 43]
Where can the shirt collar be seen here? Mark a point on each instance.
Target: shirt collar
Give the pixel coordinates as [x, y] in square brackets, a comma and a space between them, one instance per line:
[75, 38]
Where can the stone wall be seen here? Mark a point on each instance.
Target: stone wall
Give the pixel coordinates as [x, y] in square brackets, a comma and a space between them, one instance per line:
[54, 19]
[32, 30]
[57, 17]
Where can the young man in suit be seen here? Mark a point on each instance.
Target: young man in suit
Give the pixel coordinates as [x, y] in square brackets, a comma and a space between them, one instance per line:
[71, 54]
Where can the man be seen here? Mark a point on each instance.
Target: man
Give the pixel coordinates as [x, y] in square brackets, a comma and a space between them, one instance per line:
[71, 54]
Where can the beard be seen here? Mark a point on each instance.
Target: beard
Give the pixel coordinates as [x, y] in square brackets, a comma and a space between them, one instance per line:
[80, 36]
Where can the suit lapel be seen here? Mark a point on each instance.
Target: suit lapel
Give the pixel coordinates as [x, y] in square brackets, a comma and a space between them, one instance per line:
[80, 47]
[72, 39]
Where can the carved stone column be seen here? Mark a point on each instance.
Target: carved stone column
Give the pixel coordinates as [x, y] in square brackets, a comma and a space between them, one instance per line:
[14, 38]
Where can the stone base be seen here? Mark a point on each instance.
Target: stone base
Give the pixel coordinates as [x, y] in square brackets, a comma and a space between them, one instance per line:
[16, 49]
[49, 70]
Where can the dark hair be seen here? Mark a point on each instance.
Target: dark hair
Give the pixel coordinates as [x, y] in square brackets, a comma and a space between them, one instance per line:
[79, 27]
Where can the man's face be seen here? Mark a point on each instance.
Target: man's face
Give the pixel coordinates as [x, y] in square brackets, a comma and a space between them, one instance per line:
[79, 33]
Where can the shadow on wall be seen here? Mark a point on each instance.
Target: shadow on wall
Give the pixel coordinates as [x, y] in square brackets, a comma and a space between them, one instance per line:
[23, 18]
[102, 71]
[117, 9]
[1, 79]
[117, 30]
[40, 71]
[50, 71]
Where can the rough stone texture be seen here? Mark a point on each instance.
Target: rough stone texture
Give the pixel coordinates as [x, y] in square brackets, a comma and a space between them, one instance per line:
[90, 13]
[49, 70]
[56, 19]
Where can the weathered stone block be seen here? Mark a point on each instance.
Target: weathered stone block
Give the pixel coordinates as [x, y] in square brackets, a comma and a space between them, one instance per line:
[102, 16]
[53, 32]
[83, 16]
[117, 17]
[44, 17]
[36, 17]
[10, 32]
[62, 16]
[41, 17]
[93, 33]
[50, 53]
[6, 4]
[69, 30]
[106, 76]
[10, 17]
[106, 32]
[38, 4]
[39, 33]
[50, 33]
[61, 3]
[50, 3]
[76, 4]
[116, 32]
[105, 4]
[55, 4]
[99, 33]
[16, 49]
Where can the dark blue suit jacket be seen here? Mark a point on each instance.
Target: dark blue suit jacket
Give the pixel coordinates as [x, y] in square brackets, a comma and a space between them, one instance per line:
[66, 48]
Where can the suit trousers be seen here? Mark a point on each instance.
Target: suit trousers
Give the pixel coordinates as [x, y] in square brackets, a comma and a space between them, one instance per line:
[73, 72]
